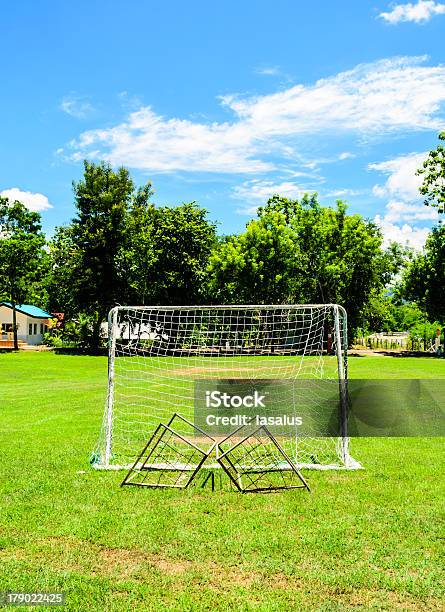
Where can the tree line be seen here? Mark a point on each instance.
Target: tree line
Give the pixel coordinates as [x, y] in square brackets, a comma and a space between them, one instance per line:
[122, 248]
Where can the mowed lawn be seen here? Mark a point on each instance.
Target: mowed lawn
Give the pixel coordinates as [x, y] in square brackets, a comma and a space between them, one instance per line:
[371, 539]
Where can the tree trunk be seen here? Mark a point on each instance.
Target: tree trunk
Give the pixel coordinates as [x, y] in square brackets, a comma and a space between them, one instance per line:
[95, 336]
[14, 327]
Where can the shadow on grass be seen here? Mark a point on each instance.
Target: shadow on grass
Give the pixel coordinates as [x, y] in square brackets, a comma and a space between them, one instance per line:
[100, 352]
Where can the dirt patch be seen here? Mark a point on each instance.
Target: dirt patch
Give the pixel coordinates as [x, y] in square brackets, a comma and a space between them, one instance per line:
[235, 372]
[124, 561]
[221, 576]
[390, 600]
[68, 554]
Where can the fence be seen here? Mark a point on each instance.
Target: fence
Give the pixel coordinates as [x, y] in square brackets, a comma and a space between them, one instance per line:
[406, 343]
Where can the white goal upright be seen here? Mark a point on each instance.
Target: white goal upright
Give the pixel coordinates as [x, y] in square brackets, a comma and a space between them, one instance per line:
[158, 353]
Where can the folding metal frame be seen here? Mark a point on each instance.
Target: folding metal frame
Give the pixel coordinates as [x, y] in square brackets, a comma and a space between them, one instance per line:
[169, 459]
[254, 462]
[257, 463]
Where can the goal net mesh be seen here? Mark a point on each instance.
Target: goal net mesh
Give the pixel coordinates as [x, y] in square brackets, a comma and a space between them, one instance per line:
[158, 353]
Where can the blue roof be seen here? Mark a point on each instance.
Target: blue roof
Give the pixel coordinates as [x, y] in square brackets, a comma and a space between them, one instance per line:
[30, 310]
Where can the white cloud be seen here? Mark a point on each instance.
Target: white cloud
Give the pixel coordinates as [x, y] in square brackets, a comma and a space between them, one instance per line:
[346, 155]
[268, 71]
[33, 201]
[406, 219]
[313, 164]
[420, 12]
[262, 190]
[342, 193]
[250, 211]
[383, 97]
[257, 192]
[149, 141]
[402, 211]
[406, 234]
[76, 106]
[402, 182]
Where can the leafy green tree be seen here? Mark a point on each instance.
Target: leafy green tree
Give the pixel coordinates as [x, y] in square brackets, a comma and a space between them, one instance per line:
[433, 172]
[387, 313]
[102, 197]
[65, 274]
[136, 258]
[424, 280]
[345, 261]
[407, 316]
[181, 239]
[378, 314]
[166, 255]
[121, 248]
[87, 277]
[299, 251]
[258, 266]
[22, 256]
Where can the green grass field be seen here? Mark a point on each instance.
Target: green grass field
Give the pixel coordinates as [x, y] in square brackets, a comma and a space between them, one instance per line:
[365, 540]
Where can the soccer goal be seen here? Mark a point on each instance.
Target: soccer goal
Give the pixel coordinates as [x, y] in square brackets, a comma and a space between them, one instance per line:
[158, 355]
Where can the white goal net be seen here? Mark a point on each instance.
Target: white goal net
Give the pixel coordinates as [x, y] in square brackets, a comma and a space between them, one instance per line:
[158, 354]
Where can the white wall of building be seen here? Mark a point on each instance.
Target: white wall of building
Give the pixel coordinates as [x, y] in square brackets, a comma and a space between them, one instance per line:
[29, 329]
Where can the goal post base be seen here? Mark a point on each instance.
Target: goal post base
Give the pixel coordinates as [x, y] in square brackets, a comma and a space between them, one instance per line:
[350, 466]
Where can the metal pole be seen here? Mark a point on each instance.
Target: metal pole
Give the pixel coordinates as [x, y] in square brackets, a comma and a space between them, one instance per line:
[112, 328]
[342, 356]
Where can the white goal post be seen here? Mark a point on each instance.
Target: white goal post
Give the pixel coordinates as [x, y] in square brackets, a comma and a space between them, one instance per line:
[158, 353]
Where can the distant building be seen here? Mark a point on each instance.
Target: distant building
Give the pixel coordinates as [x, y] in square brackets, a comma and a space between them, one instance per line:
[139, 331]
[32, 323]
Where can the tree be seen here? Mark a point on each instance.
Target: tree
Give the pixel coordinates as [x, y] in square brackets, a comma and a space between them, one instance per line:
[102, 198]
[165, 256]
[299, 251]
[121, 248]
[389, 313]
[136, 258]
[424, 280]
[87, 276]
[378, 314]
[65, 273]
[433, 171]
[259, 266]
[22, 257]
[179, 242]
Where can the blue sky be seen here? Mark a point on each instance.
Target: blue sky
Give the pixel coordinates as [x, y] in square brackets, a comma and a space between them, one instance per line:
[225, 103]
